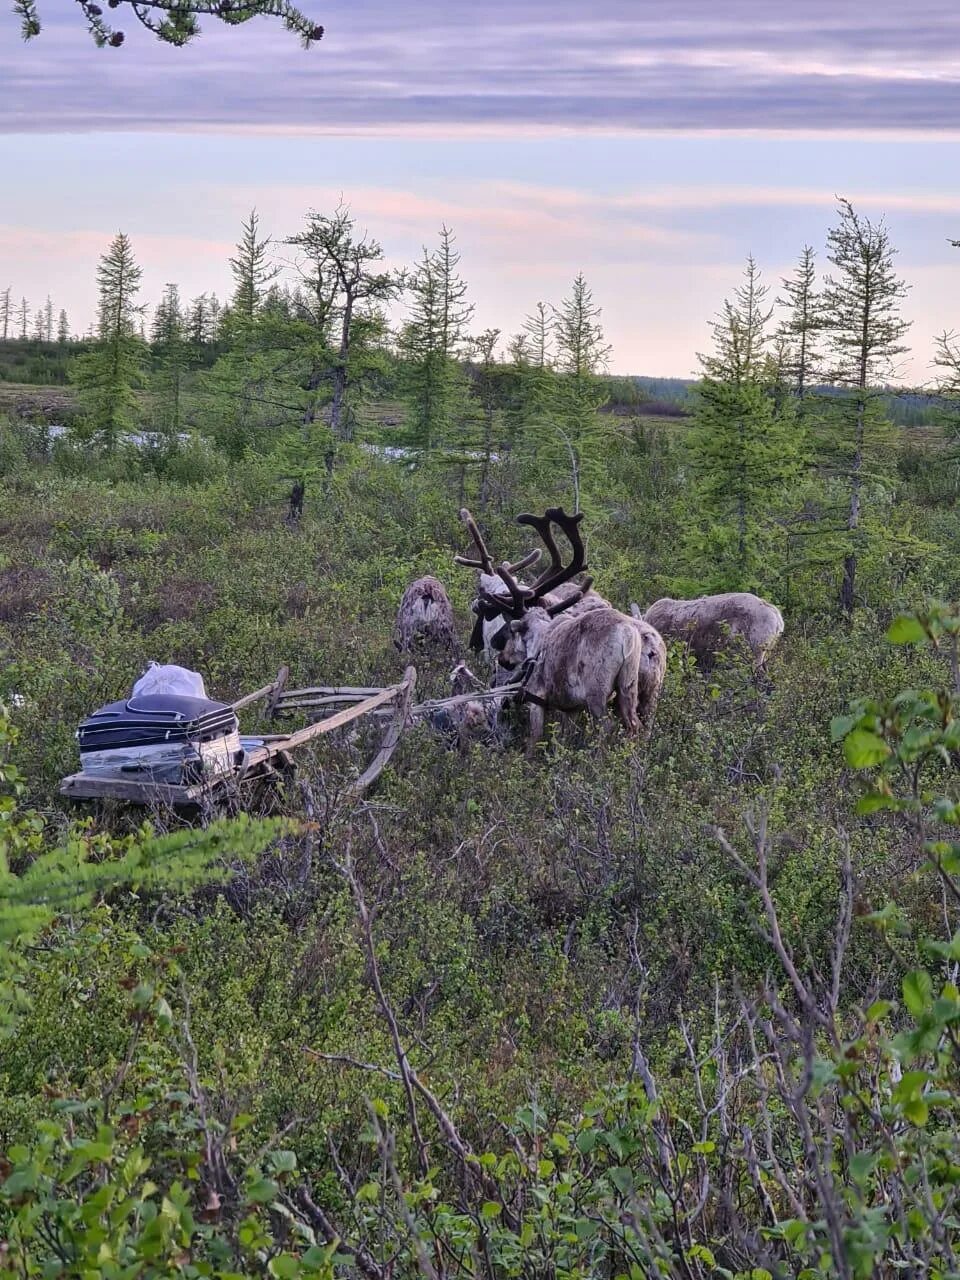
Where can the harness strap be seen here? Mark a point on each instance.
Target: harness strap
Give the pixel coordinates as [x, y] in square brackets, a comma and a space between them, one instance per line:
[525, 695]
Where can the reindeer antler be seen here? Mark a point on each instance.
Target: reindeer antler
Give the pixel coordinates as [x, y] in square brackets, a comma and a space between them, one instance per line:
[574, 598]
[557, 573]
[486, 561]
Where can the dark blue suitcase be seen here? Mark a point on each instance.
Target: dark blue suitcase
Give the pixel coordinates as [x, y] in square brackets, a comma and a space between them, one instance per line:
[155, 719]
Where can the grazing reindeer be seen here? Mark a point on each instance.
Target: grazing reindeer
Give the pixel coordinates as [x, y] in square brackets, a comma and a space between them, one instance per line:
[425, 617]
[489, 630]
[581, 661]
[711, 623]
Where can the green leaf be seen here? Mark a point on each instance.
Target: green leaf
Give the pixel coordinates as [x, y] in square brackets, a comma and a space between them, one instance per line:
[262, 1191]
[840, 726]
[875, 800]
[283, 1162]
[285, 1266]
[878, 1010]
[863, 750]
[907, 629]
[916, 1111]
[586, 1141]
[490, 1209]
[917, 991]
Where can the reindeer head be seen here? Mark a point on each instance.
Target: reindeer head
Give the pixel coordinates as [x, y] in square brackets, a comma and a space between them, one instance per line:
[489, 581]
[526, 615]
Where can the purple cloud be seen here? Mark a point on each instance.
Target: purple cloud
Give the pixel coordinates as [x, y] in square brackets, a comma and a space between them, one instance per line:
[619, 64]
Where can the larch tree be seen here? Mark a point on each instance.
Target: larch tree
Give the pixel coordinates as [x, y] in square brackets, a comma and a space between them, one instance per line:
[63, 329]
[173, 21]
[107, 375]
[740, 332]
[581, 355]
[742, 442]
[346, 284]
[48, 319]
[171, 361]
[199, 321]
[431, 341]
[23, 318]
[862, 298]
[6, 313]
[252, 270]
[487, 390]
[803, 324]
[540, 382]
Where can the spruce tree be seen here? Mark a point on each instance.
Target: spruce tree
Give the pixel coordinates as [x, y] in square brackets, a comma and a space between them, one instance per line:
[581, 354]
[171, 360]
[803, 324]
[487, 389]
[252, 270]
[198, 321]
[107, 375]
[743, 443]
[23, 315]
[744, 455]
[431, 341]
[739, 331]
[63, 329]
[862, 298]
[48, 320]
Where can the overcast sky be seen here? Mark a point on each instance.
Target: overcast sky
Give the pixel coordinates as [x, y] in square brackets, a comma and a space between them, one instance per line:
[652, 147]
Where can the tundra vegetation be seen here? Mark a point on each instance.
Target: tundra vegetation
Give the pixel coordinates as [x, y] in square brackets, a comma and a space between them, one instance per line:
[682, 1007]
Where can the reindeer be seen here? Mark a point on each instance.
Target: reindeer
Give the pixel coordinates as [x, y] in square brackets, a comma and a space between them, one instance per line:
[581, 661]
[489, 630]
[425, 617]
[710, 623]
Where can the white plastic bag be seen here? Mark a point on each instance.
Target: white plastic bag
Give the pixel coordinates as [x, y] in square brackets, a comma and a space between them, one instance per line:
[169, 679]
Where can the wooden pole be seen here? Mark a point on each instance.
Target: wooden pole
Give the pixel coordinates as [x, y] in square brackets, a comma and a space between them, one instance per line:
[392, 737]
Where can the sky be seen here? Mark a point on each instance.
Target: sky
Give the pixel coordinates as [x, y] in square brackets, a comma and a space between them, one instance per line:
[650, 147]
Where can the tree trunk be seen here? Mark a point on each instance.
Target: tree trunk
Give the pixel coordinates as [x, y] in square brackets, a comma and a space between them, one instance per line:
[340, 373]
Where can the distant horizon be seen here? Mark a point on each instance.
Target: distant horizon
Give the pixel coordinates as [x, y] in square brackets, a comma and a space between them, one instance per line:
[652, 151]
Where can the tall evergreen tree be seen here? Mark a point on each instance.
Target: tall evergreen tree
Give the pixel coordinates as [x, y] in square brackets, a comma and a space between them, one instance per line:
[107, 375]
[63, 329]
[581, 355]
[171, 360]
[23, 317]
[803, 324]
[537, 328]
[48, 319]
[487, 389]
[744, 455]
[744, 442]
[862, 298]
[739, 331]
[252, 269]
[431, 341]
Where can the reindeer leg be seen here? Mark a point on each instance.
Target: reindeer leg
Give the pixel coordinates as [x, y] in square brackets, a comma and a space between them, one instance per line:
[627, 702]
